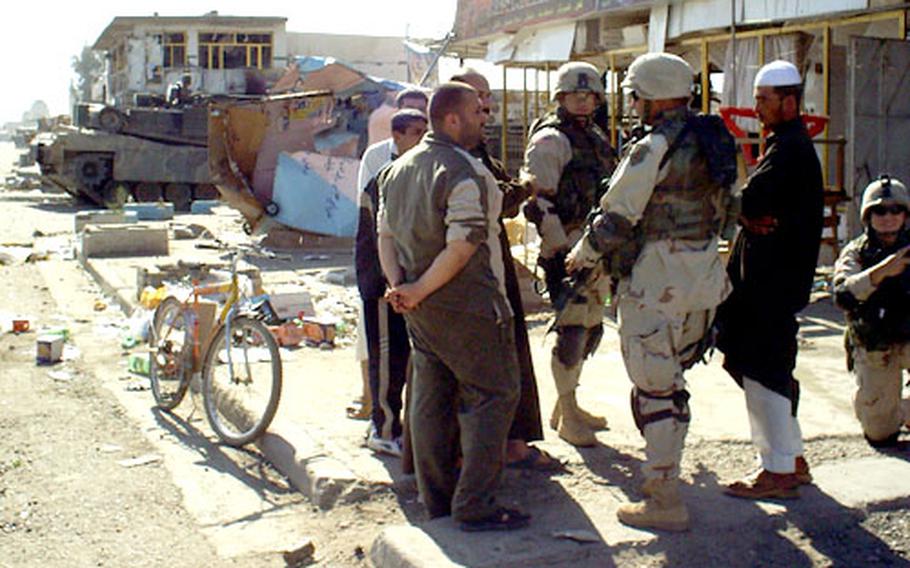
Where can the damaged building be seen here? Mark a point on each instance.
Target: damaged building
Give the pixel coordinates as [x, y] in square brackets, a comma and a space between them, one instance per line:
[223, 54]
[853, 54]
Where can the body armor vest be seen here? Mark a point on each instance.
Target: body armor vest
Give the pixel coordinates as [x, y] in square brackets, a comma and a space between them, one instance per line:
[884, 318]
[691, 200]
[584, 178]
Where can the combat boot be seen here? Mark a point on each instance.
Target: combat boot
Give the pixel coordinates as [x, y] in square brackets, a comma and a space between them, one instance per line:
[592, 420]
[662, 509]
[571, 425]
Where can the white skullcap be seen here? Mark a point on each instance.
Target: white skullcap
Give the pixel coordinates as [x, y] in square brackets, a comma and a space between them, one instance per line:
[778, 74]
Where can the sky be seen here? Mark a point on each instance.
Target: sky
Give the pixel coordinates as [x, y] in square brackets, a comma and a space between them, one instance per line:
[39, 39]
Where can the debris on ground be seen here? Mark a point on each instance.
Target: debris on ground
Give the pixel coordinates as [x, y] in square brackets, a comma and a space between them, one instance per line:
[141, 460]
[578, 535]
[300, 554]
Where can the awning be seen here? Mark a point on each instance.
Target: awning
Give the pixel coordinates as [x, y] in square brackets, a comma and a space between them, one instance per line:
[551, 43]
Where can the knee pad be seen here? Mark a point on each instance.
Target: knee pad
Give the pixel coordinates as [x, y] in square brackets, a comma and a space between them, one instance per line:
[648, 408]
[570, 344]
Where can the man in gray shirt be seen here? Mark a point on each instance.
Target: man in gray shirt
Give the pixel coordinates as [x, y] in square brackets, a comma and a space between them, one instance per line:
[440, 252]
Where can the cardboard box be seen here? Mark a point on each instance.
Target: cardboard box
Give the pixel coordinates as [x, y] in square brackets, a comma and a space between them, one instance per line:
[318, 331]
[49, 348]
[288, 334]
[290, 301]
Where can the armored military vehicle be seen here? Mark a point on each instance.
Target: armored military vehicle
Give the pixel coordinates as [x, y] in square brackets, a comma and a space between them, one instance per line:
[113, 155]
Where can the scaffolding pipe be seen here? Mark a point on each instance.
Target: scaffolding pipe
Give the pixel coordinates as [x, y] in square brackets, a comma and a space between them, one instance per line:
[503, 139]
[524, 101]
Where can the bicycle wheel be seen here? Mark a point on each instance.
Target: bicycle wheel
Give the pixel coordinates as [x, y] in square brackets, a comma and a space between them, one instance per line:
[241, 380]
[170, 353]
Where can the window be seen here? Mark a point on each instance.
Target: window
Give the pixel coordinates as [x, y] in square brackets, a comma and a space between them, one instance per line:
[118, 57]
[235, 50]
[173, 46]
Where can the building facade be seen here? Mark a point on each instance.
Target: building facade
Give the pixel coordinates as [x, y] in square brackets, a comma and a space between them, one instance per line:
[223, 54]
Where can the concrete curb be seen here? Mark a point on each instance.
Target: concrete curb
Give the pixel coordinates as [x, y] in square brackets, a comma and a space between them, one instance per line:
[404, 546]
[127, 304]
[293, 452]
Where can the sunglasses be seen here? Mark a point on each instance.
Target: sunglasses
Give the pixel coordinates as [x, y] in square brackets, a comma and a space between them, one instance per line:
[885, 209]
[633, 95]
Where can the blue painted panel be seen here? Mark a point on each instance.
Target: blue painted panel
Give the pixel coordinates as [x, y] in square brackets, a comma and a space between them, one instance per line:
[308, 201]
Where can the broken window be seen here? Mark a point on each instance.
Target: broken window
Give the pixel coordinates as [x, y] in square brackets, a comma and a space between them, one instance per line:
[235, 50]
[175, 50]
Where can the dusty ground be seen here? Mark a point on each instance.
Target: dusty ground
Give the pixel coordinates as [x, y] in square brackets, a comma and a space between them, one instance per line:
[66, 499]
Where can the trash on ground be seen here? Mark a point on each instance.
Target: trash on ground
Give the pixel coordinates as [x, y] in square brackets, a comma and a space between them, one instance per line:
[301, 552]
[578, 535]
[151, 297]
[141, 460]
[61, 376]
[139, 323]
[137, 386]
[318, 331]
[49, 349]
[138, 364]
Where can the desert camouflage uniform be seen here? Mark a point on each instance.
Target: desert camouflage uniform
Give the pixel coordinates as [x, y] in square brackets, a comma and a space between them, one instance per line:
[667, 303]
[554, 164]
[878, 351]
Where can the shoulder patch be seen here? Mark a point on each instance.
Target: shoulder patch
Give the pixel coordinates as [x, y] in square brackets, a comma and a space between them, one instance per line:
[639, 153]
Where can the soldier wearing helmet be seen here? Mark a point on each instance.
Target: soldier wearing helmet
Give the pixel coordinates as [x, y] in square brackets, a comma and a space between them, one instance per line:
[567, 161]
[772, 268]
[872, 284]
[180, 92]
[670, 195]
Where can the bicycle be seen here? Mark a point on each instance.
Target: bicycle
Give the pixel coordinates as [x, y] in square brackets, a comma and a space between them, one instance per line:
[241, 369]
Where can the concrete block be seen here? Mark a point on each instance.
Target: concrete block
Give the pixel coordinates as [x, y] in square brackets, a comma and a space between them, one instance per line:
[84, 218]
[204, 206]
[151, 211]
[290, 301]
[862, 482]
[123, 240]
[407, 546]
[328, 481]
[162, 273]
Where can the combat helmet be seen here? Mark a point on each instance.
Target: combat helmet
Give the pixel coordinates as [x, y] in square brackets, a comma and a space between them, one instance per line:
[884, 190]
[577, 76]
[655, 76]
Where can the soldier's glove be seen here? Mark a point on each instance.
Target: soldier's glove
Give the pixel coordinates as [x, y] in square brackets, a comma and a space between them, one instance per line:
[533, 212]
[554, 269]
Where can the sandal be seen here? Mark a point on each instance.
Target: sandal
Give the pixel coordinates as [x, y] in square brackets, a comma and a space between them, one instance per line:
[502, 519]
[537, 460]
[358, 412]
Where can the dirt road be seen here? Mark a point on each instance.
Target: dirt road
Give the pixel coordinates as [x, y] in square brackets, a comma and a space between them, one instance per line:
[91, 475]
[84, 483]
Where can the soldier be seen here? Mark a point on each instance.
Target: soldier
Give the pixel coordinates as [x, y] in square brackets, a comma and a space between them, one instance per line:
[567, 161]
[180, 92]
[871, 283]
[671, 196]
[772, 267]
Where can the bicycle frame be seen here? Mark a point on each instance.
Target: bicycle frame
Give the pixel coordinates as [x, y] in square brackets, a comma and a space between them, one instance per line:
[231, 288]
